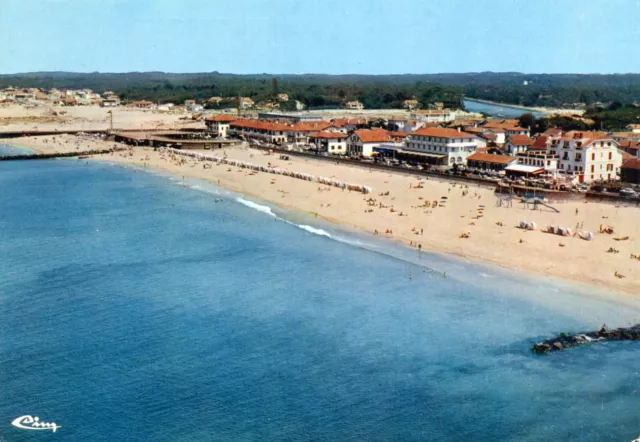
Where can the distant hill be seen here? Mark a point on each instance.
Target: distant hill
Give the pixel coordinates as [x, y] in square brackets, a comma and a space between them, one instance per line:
[318, 90]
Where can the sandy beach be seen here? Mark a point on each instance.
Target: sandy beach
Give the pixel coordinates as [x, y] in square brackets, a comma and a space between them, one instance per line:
[44, 117]
[397, 205]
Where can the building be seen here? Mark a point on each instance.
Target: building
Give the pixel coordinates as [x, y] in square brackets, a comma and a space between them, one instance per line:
[299, 132]
[630, 171]
[539, 158]
[283, 97]
[346, 125]
[245, 103]
[587, 156]
[517, 144]
[260, 130]
[362, 142]
[354, 105]
[539, 144]
[629, 146]
[487, 161]
[634, 128]
[411, 104]
[404, 124]
[445, 147]
[293, 117]
[434, 116]
[109, 103]
[215, 100]
[142, 104]
[219, 124]
[334, 143]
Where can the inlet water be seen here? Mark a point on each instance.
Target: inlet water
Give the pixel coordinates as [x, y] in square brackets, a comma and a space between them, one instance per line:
[135, 309]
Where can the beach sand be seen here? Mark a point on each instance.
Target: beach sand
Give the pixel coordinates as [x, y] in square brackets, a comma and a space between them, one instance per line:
[493, 237]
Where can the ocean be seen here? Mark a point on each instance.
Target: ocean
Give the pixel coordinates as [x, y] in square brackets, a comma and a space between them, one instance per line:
[137, 307]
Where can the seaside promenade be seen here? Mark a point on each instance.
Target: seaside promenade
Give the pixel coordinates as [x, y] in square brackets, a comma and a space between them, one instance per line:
[426, 213]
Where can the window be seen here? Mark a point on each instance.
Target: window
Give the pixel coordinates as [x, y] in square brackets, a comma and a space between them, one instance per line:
[593, 168]
[610, 155]
[593, 157]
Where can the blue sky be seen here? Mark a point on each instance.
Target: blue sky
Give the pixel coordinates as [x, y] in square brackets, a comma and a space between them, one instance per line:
[320, 36]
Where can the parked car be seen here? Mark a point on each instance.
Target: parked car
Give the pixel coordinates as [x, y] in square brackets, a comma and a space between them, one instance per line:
[628, 192]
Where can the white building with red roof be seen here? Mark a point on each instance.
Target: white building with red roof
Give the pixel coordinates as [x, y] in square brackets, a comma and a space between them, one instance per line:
[587, 156]
[362, 142]
[219, 124]
[517, 144]
[261, 130]
[445, 147]
[334, 143]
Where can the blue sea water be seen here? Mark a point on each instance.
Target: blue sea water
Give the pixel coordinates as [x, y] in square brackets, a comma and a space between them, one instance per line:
[134, 307]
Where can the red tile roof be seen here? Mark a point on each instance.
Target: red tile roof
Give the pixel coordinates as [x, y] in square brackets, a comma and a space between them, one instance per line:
[490, 158]
[329, 135]
[553, 132]
[340, 122]
[259, 125]
[632, 164]
[399, 134]
[520, 140]
[373, 136]
[540, 143]
[440, 132]
[222, 118]
[310, 126]
[628, 145]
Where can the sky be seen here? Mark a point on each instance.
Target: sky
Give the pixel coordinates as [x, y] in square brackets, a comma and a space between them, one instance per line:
[320, 36]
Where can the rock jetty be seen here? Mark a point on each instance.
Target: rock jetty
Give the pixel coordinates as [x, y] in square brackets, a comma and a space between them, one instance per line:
[564, 341]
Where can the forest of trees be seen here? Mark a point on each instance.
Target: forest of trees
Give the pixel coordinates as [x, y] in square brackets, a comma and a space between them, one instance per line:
[374, 91]
[313, 91]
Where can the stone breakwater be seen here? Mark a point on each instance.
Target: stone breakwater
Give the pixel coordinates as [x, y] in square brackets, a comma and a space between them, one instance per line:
[47, 156]
[273, 170]
[564, 341]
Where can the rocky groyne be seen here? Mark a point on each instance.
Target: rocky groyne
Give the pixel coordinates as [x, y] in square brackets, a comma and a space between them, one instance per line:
[47, 156]
[564, 341]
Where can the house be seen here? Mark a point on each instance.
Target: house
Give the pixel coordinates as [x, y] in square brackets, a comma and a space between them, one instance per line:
[629, 146]
[283, 97]
[444, 147]
[586, 156]
[347, 125]
[411, 104]
[517, 144]
[109, 103]
[434, 115]
[362, 142]
[619, 136]
[214, 100]
[539, 144]
[219, 124]
[630, 171]
[404, 124]
[299, 132]
[634, 128]
[487, 161]
[539, 158]
[189, 103]
[330, 142]
[261, 130]
[354, 105]
[245, 103]
[142, 104]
